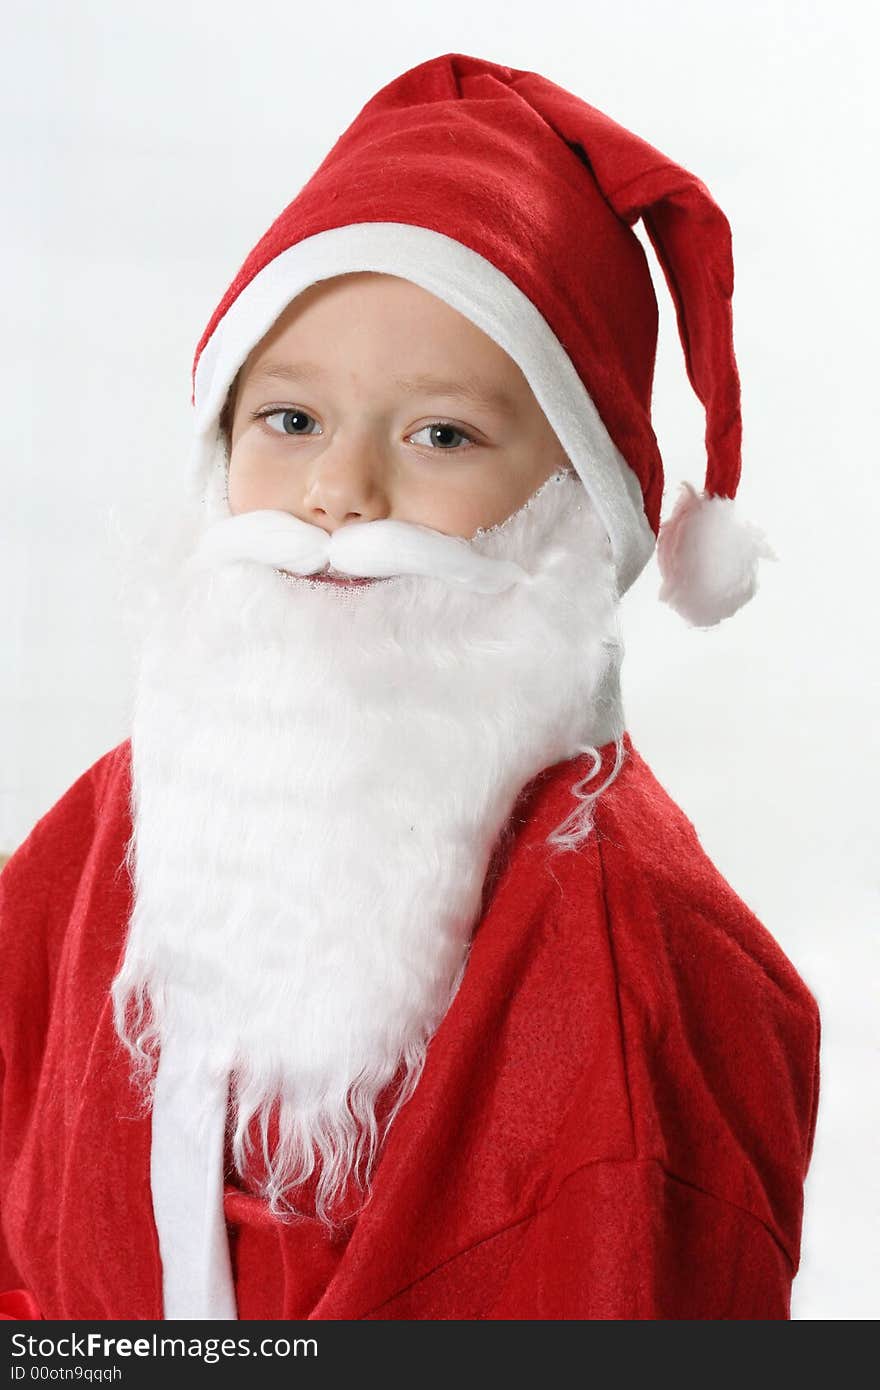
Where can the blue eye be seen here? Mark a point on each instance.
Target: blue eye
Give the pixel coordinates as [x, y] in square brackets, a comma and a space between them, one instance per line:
[442, 428]
[291, 421]
[442, 436]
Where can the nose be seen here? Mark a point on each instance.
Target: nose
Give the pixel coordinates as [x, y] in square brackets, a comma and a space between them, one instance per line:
[346, 484]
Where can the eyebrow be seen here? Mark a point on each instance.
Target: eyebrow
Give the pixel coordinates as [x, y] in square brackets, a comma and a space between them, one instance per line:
[478, 392]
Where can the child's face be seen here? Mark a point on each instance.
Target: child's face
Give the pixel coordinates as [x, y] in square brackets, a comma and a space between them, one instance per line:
[348, 410]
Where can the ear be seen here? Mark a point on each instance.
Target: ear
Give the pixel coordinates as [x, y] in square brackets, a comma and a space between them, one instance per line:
[227, 414]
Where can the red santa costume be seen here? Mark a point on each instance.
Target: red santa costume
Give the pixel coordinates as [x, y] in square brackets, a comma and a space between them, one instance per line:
[375, 975]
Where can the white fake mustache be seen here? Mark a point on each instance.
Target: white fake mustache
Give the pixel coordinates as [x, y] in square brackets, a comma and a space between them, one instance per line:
[370, 549]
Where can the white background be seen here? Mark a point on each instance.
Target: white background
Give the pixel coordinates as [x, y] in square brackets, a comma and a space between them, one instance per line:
[146, 147]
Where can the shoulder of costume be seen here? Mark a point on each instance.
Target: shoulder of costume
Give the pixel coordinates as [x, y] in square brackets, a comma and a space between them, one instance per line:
[68, 824]
[81, 839]
[690, 954]
[664, 898]
[654, 864]
[699, 975]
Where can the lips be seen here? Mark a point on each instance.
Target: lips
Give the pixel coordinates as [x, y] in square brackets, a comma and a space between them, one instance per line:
[342, 581]
[345, 581]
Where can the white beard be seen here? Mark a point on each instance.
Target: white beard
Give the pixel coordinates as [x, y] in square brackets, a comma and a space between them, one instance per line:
[320, 776]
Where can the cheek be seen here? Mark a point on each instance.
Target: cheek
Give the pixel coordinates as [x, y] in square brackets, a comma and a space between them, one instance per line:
[236, 488]
[251, 483]
[468, 506]
[502, 496]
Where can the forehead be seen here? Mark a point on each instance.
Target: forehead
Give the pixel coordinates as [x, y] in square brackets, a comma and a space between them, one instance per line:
[373, 292]
[383, 325]
[484, 393]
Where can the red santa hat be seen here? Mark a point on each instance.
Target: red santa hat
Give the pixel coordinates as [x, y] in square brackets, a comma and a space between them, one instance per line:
[513, 201]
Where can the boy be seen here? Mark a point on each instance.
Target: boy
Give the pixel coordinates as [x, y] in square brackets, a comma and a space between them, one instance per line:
[432, 1004]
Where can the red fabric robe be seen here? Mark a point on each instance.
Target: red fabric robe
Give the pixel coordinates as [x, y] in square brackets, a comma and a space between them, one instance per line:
[614, 1120]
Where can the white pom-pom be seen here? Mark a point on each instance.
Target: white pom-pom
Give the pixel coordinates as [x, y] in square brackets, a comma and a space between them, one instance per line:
[708, 558]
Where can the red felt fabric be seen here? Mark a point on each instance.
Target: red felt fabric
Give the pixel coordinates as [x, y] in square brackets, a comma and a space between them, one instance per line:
[614, 1121]
[17, 1304]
